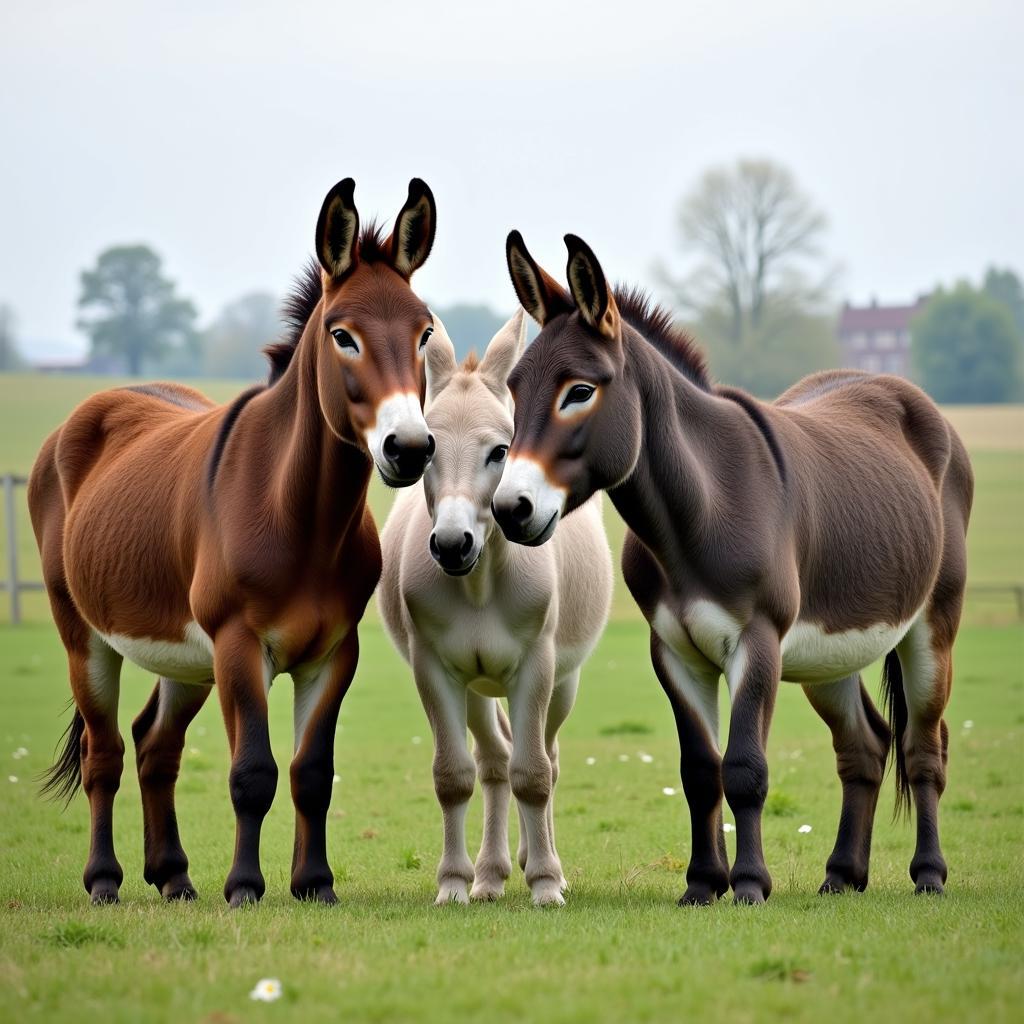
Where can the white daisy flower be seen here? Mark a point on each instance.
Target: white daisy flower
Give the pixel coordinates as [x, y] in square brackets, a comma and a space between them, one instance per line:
[668, 791]
[591, 760]
[646, 758]
[804, 828]
[267, 990]
[728, 826]
[623, 757]
[194, 751]
[968, 724]
[336, 779]
[12, 778]
[417, 740]
[20, 753]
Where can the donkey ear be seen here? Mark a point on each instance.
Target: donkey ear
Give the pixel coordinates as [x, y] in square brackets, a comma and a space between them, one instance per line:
[439, 360]
[541, 295]
[502, 353]
[415, 226]
[337, 231]
[590, 290]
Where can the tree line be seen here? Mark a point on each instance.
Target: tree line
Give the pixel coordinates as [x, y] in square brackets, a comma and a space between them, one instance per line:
[752, 281]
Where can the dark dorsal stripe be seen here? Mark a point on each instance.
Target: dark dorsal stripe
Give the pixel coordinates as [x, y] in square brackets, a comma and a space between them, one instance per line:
[656, 325]
[226, 425]
[307, 290]
[171, 397]
[749, 405]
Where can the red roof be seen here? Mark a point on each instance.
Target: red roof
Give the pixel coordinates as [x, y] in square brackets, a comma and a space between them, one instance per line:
[878, 318]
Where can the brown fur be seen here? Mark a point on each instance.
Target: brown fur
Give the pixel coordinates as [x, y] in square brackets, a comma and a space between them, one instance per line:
[158, 513]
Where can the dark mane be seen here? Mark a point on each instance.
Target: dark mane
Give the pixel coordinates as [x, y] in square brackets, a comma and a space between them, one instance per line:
[655, 323]
[307, 289]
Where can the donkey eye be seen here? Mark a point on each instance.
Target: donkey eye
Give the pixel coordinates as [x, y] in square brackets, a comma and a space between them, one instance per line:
[577, 394]
[344, 340]
[426, 337]
[497, 455]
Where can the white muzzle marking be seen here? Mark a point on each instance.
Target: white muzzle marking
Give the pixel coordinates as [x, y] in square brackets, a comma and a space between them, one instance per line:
[525, 478]
[399, 415]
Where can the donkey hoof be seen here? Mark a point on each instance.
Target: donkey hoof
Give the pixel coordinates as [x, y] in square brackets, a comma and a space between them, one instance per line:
[452, 890]
[698, 896]
[487, 892]
[547, 893]
[179, 887]
[832, 886]
[243, 896]
[748, 894]
[929, 885]
[104, 892]
[315, 894]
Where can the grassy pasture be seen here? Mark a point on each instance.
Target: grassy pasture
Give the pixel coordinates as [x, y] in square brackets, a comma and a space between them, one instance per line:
[32, 405]
[621, 949]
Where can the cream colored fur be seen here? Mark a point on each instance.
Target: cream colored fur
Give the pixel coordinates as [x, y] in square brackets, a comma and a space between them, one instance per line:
[519, 625]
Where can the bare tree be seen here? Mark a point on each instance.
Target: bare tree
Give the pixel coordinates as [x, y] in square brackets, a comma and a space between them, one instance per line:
[756, 239]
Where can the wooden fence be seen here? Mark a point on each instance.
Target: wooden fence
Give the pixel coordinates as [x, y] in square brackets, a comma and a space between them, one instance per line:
[14, 586]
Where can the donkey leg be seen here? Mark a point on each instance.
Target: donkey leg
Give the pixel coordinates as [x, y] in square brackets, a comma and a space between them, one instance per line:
[318, 698]
[927, 669]
[95, 682]
[243, 679]
[159, 734]
[694, 700]
[753, 676]
[444, 701]
[860, 738]
[530, 772]
[562, 700]
[492, 750]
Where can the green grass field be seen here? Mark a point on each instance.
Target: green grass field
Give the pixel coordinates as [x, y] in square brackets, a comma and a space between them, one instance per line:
[620, 950]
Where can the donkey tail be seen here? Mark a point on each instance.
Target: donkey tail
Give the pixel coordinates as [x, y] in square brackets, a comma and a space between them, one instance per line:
[64, 778]
[895, 699]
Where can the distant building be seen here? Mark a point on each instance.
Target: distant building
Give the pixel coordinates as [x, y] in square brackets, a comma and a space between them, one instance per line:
[877, 338]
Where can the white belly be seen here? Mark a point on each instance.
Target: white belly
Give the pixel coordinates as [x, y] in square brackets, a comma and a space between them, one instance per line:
[186, 661]
[809, 653]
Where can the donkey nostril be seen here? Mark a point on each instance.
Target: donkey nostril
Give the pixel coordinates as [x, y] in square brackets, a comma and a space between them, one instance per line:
[431, 446]
[391, 449]
[467, 544]
[523, 510]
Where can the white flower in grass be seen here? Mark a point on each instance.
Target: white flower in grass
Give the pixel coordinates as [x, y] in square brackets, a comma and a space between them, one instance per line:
[267, 990]
[668, 791]
[728, 826]
[417, 740]
[336, 779]
[591, 760]
[646, 758]
[12, 778]
[804, 829]
[623, 757]
[19, 754]
[968, 724]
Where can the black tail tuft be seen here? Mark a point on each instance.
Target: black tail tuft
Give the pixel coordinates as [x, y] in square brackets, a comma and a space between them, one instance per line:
[895, 700]
[63, 780]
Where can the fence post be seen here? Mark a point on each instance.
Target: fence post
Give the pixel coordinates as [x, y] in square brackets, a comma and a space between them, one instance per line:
[12, 550]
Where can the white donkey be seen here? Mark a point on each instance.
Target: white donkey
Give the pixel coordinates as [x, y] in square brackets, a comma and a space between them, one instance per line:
[479, 618]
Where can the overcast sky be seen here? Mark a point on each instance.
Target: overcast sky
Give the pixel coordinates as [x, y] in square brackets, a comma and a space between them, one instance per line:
[212, 131]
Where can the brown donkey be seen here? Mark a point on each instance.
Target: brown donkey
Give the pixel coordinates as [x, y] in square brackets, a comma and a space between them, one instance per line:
[225, 544]
[797, 540]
